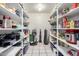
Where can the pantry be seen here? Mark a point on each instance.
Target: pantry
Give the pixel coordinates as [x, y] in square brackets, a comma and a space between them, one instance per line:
[39, 29]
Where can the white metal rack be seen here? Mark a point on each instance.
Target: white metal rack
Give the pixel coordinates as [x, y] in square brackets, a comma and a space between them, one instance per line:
[71, 13]
[61, 49]
[14, 51]
[4, 49]
[6, 12]
[74, 46]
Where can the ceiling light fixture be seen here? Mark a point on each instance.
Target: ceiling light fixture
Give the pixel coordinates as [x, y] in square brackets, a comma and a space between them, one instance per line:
[40, 7]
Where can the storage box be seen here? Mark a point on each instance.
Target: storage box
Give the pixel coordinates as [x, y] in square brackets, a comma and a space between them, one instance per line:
[74, 5]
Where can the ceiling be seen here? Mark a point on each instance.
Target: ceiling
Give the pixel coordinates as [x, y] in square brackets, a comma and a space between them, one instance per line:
[30, 7]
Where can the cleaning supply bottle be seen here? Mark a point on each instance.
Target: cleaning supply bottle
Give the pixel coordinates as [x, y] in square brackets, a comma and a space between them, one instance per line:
[66, 23]
[72, 24]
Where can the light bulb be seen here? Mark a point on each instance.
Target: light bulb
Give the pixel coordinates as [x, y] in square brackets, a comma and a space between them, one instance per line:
[40, 7]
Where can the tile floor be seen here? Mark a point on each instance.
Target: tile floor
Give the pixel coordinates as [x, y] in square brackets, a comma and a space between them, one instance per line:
[39, 50]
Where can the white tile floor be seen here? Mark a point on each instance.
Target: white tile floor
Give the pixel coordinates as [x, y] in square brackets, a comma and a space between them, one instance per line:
[39, 50]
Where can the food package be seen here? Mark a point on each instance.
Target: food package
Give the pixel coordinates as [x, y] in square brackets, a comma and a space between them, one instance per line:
[74, 5]
[72, 24]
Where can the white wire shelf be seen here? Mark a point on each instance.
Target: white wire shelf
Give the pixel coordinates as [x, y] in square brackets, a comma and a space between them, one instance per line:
[13, 28]
[72, 12]
[10, 28]
[61, 6]
[53, 35]
[14, 51]
[53, 13]
[64, 41]
[2, 49]
[5, 11]
[61, 49]
[72, 45]
[68, 28]
[13, 5]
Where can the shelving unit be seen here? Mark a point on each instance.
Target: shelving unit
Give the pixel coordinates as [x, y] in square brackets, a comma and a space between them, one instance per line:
[5, 11]
[73, 12]
[4, 49]
[14, 51]
[61, 49]
[74, 46]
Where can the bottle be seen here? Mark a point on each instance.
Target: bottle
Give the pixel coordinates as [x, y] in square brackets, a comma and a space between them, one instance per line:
[64, 22]
[71, 24]
[13, 24]
[73, 41]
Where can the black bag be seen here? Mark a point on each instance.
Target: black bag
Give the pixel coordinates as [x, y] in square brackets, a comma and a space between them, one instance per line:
[40, 40]
[46, 41]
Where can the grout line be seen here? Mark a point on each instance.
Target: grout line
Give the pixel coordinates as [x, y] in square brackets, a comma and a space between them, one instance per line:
[39, 46]
[28, 53]
[46, 52]
[32, 50]
[40, 49]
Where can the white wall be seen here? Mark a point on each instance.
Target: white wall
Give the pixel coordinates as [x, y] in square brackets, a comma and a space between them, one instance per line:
[39, 21]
